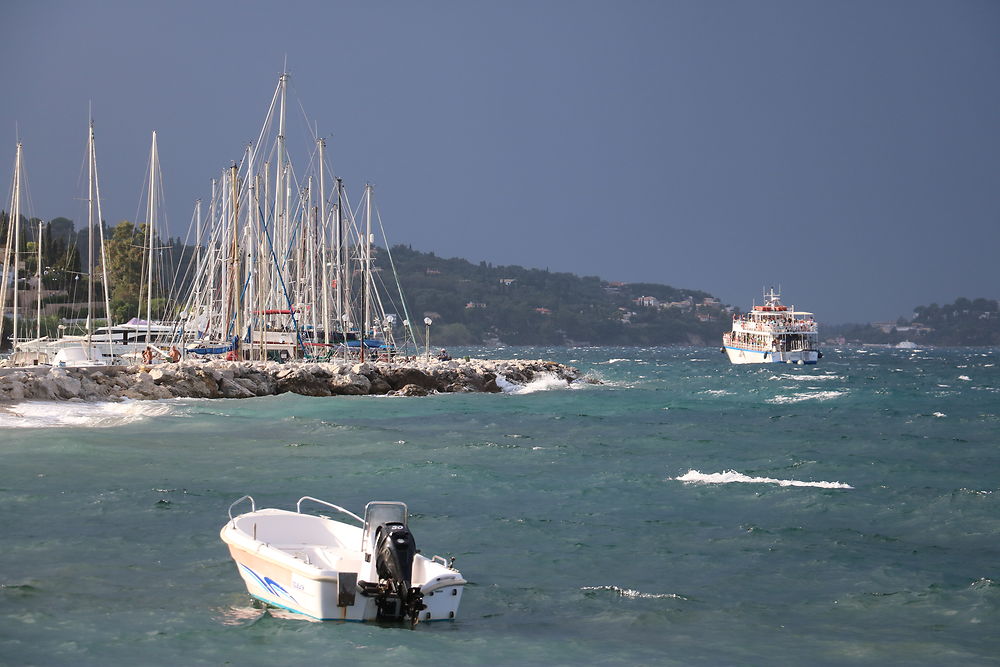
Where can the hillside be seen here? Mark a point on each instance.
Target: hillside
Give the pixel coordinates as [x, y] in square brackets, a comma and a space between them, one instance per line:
[962, 323]
[472, 303]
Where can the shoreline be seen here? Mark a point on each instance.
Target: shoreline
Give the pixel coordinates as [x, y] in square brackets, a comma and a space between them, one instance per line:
[248, 379]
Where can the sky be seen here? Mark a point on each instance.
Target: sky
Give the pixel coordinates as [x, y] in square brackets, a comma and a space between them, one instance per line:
[846, 151]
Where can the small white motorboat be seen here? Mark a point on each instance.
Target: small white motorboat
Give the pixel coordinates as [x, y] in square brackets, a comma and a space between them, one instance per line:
[331, 570]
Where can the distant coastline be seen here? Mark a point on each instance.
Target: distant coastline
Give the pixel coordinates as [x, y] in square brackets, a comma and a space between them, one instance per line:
[476, 304]
[964, 323]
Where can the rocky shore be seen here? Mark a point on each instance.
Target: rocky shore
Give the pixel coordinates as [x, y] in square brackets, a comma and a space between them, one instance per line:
[245, 379]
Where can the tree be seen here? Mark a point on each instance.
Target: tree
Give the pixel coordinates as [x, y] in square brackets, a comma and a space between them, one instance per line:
[125, 260]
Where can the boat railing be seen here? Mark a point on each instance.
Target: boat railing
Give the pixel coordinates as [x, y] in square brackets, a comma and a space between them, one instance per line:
[253, 505]
[298, 507]
[776, 328]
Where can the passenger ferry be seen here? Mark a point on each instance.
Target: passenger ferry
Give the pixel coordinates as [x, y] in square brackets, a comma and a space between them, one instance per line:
[771, 334]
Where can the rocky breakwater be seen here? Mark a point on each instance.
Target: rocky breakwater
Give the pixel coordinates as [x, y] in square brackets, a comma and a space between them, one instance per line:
[245, 379]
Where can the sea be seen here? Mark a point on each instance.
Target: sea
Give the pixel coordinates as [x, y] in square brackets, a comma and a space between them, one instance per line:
[677, 511]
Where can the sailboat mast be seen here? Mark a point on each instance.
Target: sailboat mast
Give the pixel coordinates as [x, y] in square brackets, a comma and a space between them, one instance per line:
[38, 277]
[100, 230]
[151, 228]
[197, 233]
[7, 249]
[310, 258]
[366, 270]
[234, 257]
[16, 221]
[324, 276]
[267, 267]
[342, 272]
[90, 236]
[280, 200]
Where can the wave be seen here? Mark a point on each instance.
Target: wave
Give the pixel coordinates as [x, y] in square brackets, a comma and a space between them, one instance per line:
[805, 377]
[806, 396]
[543, 382]
[49, 414]
[634, 594]
[731, 476]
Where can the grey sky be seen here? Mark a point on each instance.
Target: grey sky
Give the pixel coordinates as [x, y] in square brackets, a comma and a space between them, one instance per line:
[849, 151]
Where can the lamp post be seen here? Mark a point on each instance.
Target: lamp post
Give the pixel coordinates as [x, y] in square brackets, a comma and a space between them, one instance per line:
[427, 337]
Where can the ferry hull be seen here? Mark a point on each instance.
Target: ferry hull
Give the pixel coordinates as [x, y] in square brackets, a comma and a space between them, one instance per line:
[738, 355]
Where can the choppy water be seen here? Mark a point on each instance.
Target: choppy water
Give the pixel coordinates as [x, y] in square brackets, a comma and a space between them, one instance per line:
[685, 512]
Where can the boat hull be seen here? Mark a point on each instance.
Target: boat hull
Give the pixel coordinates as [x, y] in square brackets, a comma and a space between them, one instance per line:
[738, 355]
[279, 585]
[312, 566]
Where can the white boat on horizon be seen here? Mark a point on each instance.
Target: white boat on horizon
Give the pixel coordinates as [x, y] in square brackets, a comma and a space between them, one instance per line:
[330, 570]
[772, 334]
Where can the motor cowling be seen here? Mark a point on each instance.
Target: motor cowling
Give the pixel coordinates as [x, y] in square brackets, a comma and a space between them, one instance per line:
[395, 549]
[394, 552]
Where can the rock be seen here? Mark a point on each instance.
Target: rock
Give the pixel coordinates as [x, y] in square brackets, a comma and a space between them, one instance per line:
[379, 386]
[233, 389]
[351, 384]
[298, 381]
[365, 369]
[411, 390]
[243, 379]
[397, 378]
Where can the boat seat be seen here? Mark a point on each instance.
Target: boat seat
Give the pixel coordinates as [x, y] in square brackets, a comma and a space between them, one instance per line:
[321, 556]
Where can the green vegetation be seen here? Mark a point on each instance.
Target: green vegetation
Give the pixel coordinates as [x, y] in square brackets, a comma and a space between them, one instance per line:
[469, 303]
[60, 256]
[65, 280]
[963, 323]
[473, 303]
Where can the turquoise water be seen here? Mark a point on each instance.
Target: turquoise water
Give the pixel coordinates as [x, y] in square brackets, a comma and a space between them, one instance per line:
[846, 513]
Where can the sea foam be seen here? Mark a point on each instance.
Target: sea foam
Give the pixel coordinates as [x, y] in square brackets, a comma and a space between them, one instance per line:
[542, 382]
[47, 414]
[634, 594]
[806, 396]
[805, 377]
[731, 476]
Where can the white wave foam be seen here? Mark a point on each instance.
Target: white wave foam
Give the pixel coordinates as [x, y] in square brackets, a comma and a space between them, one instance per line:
[965, 378]
[543, 382]
[806, 396]
[808, 377]
[634, 594]
[48, 414]
[717, 392]
[731, 476]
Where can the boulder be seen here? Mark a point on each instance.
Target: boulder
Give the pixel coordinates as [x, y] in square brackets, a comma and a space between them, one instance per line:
[411, 390]
[399, 377]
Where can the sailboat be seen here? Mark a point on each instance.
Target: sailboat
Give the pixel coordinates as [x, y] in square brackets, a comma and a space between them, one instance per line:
[286, 272]
[107, 345]
[12, 250]
[25, 351]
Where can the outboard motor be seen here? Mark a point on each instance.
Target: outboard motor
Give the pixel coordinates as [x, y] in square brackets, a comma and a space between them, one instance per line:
[394, 552]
